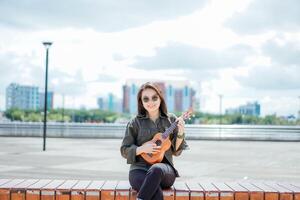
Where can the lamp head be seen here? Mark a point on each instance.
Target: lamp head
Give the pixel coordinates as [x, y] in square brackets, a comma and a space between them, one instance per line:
[47, 44]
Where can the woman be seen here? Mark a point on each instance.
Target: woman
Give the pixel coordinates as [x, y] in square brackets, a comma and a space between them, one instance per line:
[147, 179]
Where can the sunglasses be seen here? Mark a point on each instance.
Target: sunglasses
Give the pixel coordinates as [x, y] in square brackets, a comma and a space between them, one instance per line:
[146, 99]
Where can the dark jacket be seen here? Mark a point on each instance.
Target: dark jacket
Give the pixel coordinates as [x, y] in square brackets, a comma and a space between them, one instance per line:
[141, 129]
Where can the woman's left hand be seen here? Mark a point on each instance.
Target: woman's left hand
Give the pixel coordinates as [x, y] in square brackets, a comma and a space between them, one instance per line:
[180, 126]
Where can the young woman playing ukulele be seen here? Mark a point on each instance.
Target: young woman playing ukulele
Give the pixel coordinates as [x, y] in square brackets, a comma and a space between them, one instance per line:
[150, 178]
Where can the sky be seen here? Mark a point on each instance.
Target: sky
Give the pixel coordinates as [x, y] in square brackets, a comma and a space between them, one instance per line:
[245, 50]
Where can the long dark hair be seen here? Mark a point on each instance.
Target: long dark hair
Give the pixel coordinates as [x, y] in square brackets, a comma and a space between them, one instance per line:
[149, 85]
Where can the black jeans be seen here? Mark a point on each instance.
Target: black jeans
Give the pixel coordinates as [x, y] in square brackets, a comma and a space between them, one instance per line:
[149, 184]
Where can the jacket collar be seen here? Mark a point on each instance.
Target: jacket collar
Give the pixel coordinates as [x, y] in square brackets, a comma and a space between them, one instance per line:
[145, 116]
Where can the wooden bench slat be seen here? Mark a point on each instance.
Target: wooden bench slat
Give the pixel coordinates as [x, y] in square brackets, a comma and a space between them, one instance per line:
[53, 185]
[25, 184]
[122, 190]
[40, 184]
[211, 192]
[108, 190]
[263, 187]
[270, 193]
[196, 191]
[296, 184]
[33, 191]
[12, 183]
[255, 192]
[250, 187]
[236, 187]
[81, 185]
[63, 191]
[240, 193]
[18, 191]
[194, 186]
[95, 185]
[6, 187]
[285, 194]
[78, 191]
[278, 187]
[93, 190]
[208, 187]
[295, 189]
[291, 187]
[225, 192]
[67, 185]
[182, 192]
[3, 181]
[169, 194]
[48, 191]
[222, 187]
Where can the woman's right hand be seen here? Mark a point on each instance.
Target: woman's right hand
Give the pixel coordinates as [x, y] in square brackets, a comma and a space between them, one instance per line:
[149, 148]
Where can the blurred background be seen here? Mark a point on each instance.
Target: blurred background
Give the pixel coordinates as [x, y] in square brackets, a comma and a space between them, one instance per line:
[234, 62]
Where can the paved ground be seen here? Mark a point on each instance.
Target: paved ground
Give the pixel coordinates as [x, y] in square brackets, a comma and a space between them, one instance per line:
[99, 159]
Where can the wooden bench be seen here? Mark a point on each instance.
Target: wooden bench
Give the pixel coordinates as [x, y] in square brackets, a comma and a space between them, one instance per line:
[33, 189]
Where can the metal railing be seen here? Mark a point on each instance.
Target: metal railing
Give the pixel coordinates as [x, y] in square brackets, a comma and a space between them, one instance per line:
[90, 130]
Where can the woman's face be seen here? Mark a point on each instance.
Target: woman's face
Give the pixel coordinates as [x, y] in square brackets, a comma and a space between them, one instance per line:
[151, 100]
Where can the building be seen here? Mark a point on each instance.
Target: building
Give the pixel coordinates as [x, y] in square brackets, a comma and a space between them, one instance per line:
[22, 97]
[252, 109]
[27, 97]
[111, 103]
[100, 102]
[50, 97]
[179, 96]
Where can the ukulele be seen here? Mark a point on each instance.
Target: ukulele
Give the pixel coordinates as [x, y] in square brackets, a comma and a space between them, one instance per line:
[162, 139]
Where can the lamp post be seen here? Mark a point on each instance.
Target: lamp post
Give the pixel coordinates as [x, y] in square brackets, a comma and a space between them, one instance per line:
[299, 108]
[47, 46]
[63, 110]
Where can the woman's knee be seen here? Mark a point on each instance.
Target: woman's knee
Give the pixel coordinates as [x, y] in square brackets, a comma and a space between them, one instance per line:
[136, 179]
[156, 169]
[136, 182]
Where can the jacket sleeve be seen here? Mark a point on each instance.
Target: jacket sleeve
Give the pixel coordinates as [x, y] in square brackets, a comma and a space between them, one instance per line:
[128, 147]
[173, 137]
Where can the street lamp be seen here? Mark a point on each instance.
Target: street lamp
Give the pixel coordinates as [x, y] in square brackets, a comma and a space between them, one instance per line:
[47, 46]
[299, 108]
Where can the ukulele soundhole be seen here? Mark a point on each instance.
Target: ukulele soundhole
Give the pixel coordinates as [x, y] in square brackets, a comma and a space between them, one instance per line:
[150, 154]
[158, 142]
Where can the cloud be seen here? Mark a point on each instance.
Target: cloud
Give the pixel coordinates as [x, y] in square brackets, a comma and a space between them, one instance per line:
[267, 15]
[14, 68]
[63, 83]
[118, 57]
[20, 69]
[103, 15]
[275, 77]
[287, 54]
[181, 56]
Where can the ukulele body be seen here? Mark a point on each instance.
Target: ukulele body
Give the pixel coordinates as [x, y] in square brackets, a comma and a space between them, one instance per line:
[159, 141]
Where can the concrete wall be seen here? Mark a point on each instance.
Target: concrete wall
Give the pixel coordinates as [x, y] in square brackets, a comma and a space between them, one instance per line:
[201, 132]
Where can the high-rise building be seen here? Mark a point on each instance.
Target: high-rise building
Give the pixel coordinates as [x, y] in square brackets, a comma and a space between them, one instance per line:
[50, 97]
[252, 109]
[100, 103]
[179, 96]
[111, 103]
[22, 97]
[27, 97]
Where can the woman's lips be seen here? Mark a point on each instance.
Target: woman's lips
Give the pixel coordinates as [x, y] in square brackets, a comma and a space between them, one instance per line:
[151, 106]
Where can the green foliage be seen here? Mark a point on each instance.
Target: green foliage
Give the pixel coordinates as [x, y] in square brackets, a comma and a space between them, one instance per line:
[100, 116]
[206, 118]
[15, 114]
[33, 117]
